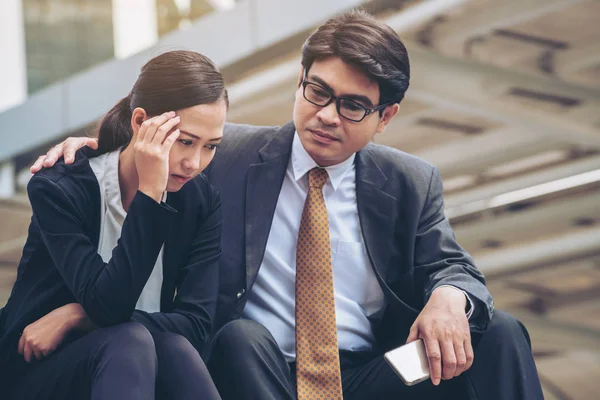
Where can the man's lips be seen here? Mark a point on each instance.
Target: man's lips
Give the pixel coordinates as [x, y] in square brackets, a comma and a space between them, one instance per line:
[323, 135]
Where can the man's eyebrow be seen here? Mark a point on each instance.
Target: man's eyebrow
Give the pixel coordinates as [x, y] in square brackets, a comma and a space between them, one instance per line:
[356, 97]
[321, 82]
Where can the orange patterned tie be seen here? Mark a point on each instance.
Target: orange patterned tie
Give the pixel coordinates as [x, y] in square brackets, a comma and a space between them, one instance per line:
[317, 358]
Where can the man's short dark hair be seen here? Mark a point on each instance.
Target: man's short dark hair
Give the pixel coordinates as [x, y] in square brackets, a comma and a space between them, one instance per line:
[358, 39]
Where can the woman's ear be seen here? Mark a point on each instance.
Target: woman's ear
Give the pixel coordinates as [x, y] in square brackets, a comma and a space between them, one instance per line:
[138, 116]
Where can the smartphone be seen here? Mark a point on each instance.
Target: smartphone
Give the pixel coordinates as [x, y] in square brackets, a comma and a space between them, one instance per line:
[410, 362]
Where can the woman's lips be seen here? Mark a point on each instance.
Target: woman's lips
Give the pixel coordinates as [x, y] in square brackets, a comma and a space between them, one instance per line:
[181, 178]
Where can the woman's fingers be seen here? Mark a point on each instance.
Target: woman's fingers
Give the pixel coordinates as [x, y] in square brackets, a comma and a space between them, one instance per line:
[21, 346]
[150, 127]
[168, 143]
[163, 131]
[152, 153]
[37, 353]
[28, 352]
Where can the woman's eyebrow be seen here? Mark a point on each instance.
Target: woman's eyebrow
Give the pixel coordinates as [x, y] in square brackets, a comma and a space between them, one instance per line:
[189, 134]
[198, 137]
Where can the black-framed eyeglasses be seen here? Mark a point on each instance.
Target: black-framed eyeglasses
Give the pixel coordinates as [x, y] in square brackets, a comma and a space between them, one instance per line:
[347, 108]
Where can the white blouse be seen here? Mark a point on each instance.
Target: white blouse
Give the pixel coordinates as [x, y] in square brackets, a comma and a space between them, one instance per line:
[106, 169]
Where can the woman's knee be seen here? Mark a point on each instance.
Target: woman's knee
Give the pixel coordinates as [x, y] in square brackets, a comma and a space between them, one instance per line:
[174, 346]
[128, 342]
[132, 334]
[181, 370]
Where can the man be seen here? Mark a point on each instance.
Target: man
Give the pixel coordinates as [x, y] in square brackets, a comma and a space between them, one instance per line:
[333, 243]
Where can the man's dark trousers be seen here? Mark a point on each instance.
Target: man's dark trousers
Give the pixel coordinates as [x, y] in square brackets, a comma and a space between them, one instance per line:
[246, 363]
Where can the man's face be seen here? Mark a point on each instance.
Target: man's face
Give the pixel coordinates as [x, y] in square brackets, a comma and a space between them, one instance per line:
[328, 137]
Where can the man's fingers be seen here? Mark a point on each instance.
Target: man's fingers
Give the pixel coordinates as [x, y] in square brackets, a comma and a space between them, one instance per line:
[37, 165]
[70, 147]
[469, 353]
[434, 356]
[92, 142]
[66, 149]
[413, 334]
[52, 155]
[461, 358]
[448, 359]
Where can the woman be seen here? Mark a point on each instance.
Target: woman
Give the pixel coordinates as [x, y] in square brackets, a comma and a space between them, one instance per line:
[117, 286]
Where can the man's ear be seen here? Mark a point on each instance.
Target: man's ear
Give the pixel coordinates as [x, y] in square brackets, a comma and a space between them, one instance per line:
[138, 116]
[388, 113]
[300, 77]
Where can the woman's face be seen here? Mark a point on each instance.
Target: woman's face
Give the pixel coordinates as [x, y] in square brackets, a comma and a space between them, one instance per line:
[201, 130]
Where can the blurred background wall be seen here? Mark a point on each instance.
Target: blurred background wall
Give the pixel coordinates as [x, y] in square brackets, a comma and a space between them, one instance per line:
[504, 99]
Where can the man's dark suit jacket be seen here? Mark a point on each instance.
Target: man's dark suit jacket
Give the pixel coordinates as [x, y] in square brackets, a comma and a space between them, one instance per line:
[60, 263]
[409, 241]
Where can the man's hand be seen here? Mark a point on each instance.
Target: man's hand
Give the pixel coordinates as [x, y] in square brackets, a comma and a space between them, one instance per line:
[68, 148]
[42, 337]
[444, 328]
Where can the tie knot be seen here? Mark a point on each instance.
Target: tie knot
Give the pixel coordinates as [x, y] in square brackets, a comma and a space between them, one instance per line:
[317, 178]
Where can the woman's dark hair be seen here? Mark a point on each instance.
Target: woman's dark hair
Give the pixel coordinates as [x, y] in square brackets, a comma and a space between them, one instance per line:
[360, 40]
[169, 82]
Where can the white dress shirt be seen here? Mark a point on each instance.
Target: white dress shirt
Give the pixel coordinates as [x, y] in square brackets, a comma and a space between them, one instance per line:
[357, 292]
[106, 169]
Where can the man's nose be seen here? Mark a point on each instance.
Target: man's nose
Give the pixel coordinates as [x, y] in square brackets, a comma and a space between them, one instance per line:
[329, 114]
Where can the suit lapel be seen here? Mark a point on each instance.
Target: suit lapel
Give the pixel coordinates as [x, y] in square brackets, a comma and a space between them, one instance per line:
[263, 185]
[171, 257]
[378, 216]
[376, 211]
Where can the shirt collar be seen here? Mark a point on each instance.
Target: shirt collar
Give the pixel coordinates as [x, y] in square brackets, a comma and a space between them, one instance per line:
[113, 187]
[302, 162]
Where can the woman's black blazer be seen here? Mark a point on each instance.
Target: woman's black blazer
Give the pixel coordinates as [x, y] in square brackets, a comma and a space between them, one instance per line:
[61, 265]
